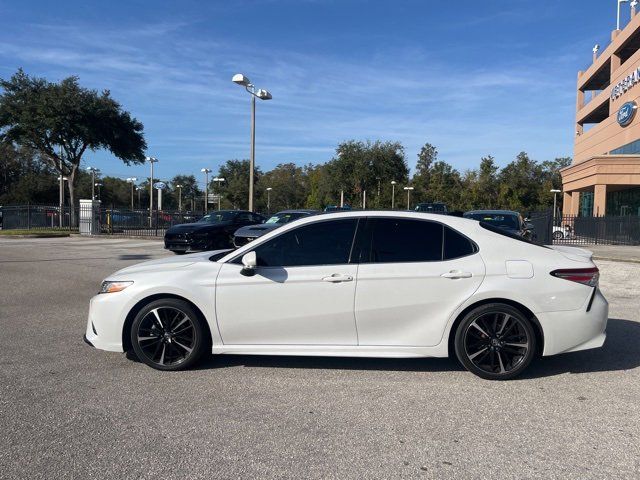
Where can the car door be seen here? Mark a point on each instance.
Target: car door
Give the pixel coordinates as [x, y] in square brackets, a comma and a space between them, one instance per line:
[413, 275]
[302, 291]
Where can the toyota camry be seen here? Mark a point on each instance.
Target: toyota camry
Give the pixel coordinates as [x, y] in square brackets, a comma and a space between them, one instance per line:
[359, 284]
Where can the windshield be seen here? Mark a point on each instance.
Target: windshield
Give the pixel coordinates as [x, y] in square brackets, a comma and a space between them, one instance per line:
[500, 220]
[282, 218]
[217, 217]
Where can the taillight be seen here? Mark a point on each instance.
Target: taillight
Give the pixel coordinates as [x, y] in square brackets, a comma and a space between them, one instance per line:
[585, 276]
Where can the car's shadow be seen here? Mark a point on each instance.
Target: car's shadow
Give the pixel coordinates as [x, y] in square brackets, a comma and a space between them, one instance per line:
[621, 351]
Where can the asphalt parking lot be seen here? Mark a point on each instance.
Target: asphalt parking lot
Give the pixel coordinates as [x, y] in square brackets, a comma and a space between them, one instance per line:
[70, 411]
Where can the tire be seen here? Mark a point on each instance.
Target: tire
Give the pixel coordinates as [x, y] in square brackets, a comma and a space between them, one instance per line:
[179, 252]
[558, 235]
[168, 334]
[495, 342]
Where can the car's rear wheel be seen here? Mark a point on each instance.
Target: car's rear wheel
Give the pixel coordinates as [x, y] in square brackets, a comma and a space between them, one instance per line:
[495, 341]
[558, 235]
[167, 334]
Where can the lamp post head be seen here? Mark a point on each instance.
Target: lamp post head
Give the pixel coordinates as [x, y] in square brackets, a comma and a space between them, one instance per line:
[178, 186]
[205, 170]
[393, 182]
[595, 48]
[150, 159]
[555, 190]
[269, 189]
[263, 95]
[408, 188]
[240, 79]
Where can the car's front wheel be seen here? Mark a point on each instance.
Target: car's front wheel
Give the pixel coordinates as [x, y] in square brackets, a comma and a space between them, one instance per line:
[558, 235]
[167, 334]
[495, 341]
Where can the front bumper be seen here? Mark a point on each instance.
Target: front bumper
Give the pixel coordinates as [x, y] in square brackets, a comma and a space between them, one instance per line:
[105, 322]
[574, 330]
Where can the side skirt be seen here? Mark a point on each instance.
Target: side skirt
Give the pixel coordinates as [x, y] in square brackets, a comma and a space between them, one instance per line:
[386, 351]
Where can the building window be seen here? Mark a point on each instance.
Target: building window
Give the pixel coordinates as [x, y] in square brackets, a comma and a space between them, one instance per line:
[624, 202]
[585, 208]
[628, 149]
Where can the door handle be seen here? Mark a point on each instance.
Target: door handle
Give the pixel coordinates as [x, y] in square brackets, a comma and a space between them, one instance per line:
[337, 278]
[457, 274]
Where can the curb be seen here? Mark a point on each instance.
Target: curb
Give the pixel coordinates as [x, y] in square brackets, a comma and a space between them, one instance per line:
[44, 235]
[618, 259]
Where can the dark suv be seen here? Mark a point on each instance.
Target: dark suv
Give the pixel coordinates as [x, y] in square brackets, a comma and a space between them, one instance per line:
[505, 220]
[435, 207]
[213, 231]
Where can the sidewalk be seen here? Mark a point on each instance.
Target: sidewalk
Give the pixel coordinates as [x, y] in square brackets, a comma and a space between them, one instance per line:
[616, 253]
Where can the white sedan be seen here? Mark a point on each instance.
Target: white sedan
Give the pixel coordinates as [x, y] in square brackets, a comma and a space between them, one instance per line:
[359, 284]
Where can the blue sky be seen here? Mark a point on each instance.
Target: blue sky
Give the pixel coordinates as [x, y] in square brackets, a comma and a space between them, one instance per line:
[473, 78]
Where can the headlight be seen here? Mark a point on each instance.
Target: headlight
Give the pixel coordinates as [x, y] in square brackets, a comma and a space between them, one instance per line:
[112, 287]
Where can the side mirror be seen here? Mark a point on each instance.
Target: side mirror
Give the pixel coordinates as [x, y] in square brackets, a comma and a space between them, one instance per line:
[249, 264]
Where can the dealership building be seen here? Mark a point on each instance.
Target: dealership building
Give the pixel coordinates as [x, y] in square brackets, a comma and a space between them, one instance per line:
[604, 178]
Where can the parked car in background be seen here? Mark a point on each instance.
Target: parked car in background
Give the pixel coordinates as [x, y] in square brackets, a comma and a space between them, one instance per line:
[329, 284]
[213, 231]
[336, 208]
[562, 232]
[244, 235]
[507, 220]
[435, 207]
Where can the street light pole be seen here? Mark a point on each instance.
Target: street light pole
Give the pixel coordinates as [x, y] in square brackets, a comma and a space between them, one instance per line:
[393, 194]
[408, 189]
[132, 180]
[218, 180]
[179, 187]
[269, 199]
[206, 172]
[554, 191]
[138, 189]
[618, 18]
[151, 160]
[240, 79]
[93, 171]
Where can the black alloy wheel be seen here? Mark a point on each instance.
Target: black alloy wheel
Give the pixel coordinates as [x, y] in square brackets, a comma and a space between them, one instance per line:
[167, 334]
[495, 342]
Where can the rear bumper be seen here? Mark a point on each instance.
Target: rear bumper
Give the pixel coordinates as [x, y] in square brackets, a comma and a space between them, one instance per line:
[574, 330]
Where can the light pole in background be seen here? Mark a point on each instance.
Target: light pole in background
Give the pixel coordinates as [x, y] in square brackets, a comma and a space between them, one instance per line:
[618, 17]
[393, 194]
[138, 189]
[218, 180]
[408, 190]
[132, 181]
[179, 187]
[61, 179]
[269, 199]
[240, 79]
[151, 160]
[555, 192]
[93, 171]
[206, 172]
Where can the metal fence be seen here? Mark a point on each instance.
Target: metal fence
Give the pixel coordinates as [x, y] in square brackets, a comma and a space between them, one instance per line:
[608, 230]
[108, 220]
[563, 230]
[36, 217]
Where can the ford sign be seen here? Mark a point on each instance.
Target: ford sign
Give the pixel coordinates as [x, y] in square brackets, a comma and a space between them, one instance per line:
[626, 113]
[161, 185]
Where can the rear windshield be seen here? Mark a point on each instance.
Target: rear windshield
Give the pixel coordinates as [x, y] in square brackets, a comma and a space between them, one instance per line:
[507, 233]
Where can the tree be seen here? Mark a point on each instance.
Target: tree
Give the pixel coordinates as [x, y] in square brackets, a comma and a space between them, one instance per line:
[235, 190]
[190, 191]
[289, 185]
[62, 120]
[426, 158]
[520, 183]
